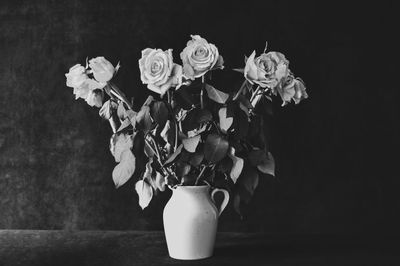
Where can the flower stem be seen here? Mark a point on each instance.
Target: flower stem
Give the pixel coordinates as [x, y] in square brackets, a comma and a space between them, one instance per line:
[203, 84]
[255, 93]
[240, 90]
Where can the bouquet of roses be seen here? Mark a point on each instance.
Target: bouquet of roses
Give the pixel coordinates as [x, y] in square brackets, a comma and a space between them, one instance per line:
[193, 133]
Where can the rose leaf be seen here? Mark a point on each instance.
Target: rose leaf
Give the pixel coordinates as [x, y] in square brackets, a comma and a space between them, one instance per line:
[215, 148]
[174, 155]
[224, 121]
[145, 193]
[268, 165]
[159, 112]
[216, 95]
[125, 169]
[237, 167]
[190, 144]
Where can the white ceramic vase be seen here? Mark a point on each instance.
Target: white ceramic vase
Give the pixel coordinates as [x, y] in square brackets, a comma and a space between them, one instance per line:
[190, 221]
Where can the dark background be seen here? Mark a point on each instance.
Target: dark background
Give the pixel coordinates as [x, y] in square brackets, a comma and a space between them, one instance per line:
[334, 151]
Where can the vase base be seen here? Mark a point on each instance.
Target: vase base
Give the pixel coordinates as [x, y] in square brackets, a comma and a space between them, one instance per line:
[190, 258]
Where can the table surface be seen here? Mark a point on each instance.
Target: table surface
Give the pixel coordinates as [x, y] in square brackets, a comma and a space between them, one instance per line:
[58, 248]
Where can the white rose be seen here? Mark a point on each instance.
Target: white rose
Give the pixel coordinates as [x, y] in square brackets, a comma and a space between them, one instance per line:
[95, 98]
[76, 76]
[103, 70]
[158, 70]
[292, 89]
[199, 57]
[267, 70]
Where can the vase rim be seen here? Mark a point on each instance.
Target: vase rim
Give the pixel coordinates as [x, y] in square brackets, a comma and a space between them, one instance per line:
[194, 187]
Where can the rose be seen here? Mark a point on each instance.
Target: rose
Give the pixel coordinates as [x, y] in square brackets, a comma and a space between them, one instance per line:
[292, 89]
[158, 70]
[267, 70]
[95, 98]
[85, 89]
[76, 76]
[199, 56]
[102, 69]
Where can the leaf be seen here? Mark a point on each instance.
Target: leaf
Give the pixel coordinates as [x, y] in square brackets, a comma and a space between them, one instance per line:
[216, 95]
[196, 158]
[125, 169]
[256, 157]
[160, 181]
[195, 118]
[174, 155]
[119, 143]
[248, 179]
[240, 124]
[215, 148]
[143, 119]
[121, 112]
[224, 121]
[126, 123]
[168, 133]
[190, 144]
[268, 165]
[145, 193]
[106, 111]
[159, 112]
[240, 70]
[182, 169]
[237, 167]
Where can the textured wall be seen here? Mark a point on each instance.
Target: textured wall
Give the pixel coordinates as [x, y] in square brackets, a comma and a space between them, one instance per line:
[55, 165]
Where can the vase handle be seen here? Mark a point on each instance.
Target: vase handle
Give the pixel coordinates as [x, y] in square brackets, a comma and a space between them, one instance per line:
[224, 201]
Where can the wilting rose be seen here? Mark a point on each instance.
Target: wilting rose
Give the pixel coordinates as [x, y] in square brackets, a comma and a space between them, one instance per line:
[83, 90]
[199, 56]
[76, 76]
[267, 70]
[158, 70]
[95, 98]
[292, 89]
[103, 70]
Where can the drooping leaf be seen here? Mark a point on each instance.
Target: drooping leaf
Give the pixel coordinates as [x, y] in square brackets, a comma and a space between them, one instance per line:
[237, 165]
[174, 155]
[126, 123]
[119, 143]
[160, 181]
[125, 169]
[190, 144]
[159, 112]
[224, 121]
[121, 111]
[143, 119]
[168, 133]
[216, 95]
[215, 148]
[106, 111]
[268, 165]
[145, 192]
